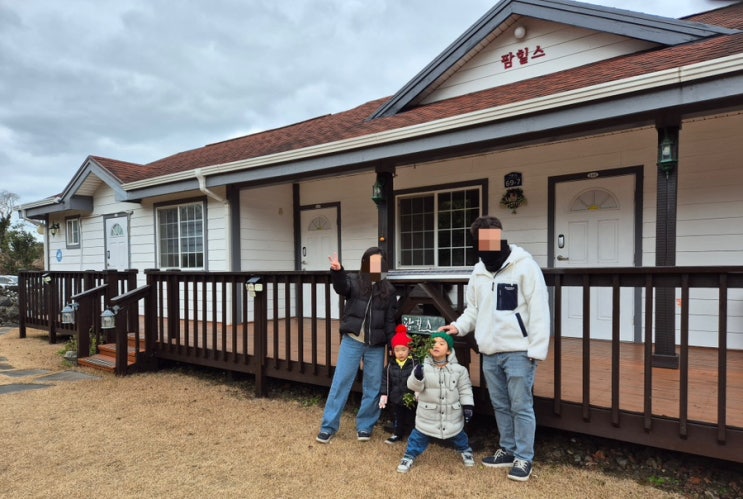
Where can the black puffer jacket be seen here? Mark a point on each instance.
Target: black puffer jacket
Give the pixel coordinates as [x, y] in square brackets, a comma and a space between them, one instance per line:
[395, 380]
[380, 313]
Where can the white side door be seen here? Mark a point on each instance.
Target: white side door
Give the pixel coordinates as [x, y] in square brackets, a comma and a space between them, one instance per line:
[319, 240]
[117, 243]
[594, 224]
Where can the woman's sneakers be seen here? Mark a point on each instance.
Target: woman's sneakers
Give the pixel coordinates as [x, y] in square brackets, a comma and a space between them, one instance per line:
[363, 435]
[324, 437]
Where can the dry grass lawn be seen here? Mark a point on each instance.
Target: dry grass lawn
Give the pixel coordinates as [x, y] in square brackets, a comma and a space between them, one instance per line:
[174, 434]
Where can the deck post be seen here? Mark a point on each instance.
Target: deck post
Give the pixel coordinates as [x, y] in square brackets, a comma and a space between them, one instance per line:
[665, 245]
[23, 282]
[260, 332]
[51, 308]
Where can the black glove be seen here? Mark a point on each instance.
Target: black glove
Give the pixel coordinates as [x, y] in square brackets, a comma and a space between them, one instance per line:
[418, 372]
[469, 411]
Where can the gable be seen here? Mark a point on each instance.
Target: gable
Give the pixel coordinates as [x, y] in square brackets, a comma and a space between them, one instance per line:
[504, 18]
[530, 48]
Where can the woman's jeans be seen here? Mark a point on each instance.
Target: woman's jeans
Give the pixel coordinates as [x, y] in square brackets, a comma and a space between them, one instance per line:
[418, 443]
[510, 379]
[351, 354]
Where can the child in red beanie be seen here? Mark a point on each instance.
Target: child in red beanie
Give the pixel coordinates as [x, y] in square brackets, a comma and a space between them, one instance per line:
[394, 386]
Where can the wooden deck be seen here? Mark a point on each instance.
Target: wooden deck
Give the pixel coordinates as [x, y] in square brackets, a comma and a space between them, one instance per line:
[286, 336]
[603, 390]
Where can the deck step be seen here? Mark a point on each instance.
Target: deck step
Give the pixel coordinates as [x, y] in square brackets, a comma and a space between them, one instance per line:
[110, 350]
[105, 360]
[98, 361]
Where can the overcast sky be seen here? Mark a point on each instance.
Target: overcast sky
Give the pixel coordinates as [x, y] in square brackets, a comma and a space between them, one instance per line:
[139, 80]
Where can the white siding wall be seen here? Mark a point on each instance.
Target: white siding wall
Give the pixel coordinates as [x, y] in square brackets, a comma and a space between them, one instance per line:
[266, 229]
[564, 47]
[710, 218]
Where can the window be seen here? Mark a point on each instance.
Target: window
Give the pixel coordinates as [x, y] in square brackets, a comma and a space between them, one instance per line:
[181, 236]
[72, 232]
[434, 228]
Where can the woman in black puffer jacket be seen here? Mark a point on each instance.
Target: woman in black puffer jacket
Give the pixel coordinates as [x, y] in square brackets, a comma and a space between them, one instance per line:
[367, 326]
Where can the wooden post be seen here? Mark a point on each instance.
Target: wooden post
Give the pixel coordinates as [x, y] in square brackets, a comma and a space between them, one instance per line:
[23, 282]
[260, 331]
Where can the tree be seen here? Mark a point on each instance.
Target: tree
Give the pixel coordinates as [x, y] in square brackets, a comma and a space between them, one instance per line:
[8, 202]
[22, 252]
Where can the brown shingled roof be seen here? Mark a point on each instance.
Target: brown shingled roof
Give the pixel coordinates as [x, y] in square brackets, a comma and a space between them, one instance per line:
[354, 122]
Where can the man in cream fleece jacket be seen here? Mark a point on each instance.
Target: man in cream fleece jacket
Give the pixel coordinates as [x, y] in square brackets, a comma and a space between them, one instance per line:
[508, 309]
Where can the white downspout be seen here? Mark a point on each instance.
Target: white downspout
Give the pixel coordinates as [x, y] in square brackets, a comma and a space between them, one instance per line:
[227, 218]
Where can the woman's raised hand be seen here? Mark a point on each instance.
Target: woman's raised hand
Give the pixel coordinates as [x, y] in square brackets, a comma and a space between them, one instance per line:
[334, 263]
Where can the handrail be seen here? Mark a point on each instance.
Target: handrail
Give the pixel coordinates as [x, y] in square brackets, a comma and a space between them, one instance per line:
[122, 332]
[85, 317]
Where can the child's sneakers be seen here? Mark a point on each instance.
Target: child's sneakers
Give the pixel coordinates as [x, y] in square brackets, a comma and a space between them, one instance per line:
[468, 458]
[394, 439]
[405, 464]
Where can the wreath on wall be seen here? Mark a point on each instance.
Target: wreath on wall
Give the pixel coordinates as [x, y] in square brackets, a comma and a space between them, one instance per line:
[512, 199]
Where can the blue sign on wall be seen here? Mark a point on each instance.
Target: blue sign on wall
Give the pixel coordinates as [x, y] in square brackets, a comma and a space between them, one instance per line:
[59, 255]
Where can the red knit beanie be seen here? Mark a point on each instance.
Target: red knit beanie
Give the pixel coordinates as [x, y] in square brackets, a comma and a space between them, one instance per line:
[401, 337]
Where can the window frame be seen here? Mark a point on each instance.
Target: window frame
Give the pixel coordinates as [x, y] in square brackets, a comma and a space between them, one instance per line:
[177, 205]
[435, 191]
[73, 227]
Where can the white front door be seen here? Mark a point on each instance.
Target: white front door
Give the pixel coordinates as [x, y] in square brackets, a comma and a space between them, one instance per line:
[594, 227]
[319, 241]
[117, 243]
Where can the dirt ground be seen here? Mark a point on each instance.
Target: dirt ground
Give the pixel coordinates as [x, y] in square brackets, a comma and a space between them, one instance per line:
[187, 433]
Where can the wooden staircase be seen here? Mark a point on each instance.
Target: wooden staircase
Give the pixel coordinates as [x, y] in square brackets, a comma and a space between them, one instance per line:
[105, 359]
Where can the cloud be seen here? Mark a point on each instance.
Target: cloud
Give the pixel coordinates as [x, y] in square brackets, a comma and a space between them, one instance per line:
[138, 80]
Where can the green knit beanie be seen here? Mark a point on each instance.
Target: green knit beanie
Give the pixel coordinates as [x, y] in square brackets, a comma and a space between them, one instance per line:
[447, 337]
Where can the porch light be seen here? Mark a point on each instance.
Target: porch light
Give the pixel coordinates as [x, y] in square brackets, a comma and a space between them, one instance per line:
[378, 192]
[667, 154]
[53, 229]
[68, 313]
[108, 317]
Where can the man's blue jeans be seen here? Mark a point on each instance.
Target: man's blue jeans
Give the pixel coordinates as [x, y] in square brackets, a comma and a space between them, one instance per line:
[510, 379]
[351, 354]
[418, 443]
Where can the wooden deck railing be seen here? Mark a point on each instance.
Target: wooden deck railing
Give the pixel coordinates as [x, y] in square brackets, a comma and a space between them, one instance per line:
[283, 325]
[43, 295]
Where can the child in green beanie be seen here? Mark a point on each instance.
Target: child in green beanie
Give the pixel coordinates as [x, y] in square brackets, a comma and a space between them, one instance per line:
[445, 403]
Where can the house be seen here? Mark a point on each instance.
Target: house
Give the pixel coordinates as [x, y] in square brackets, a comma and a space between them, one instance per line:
[600, 137]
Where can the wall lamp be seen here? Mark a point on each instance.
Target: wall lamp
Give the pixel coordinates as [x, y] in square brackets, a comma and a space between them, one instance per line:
[68, 313]
[54, 228]
[253, 286]
[378, 191]
[668, 152]
[108, 317]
